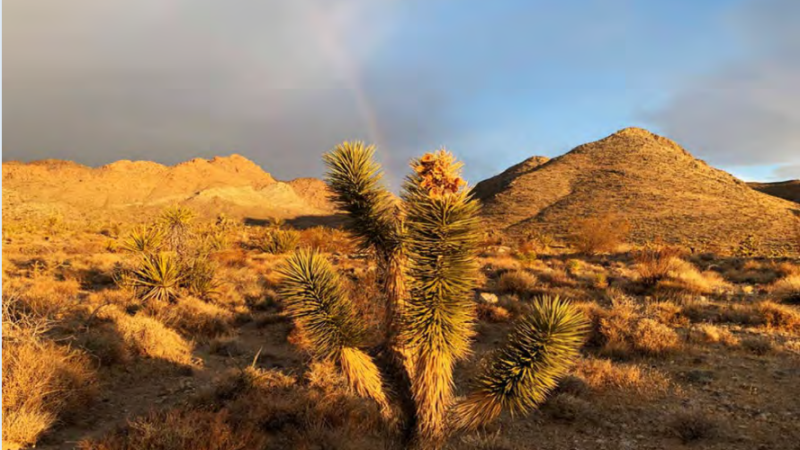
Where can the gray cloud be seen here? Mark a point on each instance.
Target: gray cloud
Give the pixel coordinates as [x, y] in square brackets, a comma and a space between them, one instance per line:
[169, 80]
[748, 112]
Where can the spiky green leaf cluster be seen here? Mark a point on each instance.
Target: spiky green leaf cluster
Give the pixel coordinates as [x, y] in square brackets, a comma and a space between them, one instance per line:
[441, 238]
[176, 216]
[144, 239]
[355, 179]
[315, 298]
[158, 277]
[538, 353]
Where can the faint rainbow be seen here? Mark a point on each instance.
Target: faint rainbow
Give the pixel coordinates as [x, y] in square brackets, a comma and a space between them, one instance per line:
[347, 67]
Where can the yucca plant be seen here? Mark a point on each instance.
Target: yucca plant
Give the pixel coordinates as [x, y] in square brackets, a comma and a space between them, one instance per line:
[425, 247]
[157, 278]
[144, 239]
[176, 221]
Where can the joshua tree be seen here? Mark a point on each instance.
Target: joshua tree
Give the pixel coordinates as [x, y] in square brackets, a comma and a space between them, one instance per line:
[425, 246]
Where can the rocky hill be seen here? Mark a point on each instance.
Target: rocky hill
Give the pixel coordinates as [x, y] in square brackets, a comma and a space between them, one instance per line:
[661, 189]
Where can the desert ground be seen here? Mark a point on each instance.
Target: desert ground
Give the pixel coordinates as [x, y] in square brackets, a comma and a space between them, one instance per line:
[143, 306]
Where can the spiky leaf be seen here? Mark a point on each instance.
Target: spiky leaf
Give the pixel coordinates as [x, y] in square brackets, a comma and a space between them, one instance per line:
[314, 296]
[355, 180]
[157, 278]
[519, 376]
[145, 239]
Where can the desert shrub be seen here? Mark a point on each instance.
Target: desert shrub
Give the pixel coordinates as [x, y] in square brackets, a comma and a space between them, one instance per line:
[654, 262]
[684, 276]
[787, 289]
[654, 338]
[667, 313]
[599, 234]
[603, 374]
[693, 425]
[326, 239]
[147, 337]
[199, 276]
[760, 345]
[194, 317]
[518, 282]
[712, 334]
[42, 383]
[157, 277]
[779, 317]
[492, 313]
[278, 241]
[624, 329]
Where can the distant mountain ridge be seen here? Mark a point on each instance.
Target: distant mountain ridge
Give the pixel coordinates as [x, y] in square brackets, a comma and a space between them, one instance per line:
[660, 188]
[231, 184]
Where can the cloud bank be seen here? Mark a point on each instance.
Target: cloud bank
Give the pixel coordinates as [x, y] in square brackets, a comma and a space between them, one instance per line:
[748, 112]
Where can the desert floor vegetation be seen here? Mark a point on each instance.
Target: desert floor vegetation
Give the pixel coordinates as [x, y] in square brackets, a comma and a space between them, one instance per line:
[682, 349]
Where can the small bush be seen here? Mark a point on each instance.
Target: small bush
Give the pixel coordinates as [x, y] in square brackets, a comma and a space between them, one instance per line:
[760, 345]
[712, 334]
[779, 317]
[692, 425]
[518, 282]
[603, 374]
[147, 337]
[600, 234]
[787, 289]
[653, 338]
[193, 317]
[277, 241]
[654, 262]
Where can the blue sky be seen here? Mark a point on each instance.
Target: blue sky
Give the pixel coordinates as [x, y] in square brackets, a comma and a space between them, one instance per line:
[496, 82]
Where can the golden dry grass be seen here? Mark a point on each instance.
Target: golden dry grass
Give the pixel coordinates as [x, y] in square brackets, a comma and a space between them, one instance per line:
[519, 282]
[42, 383]
[147, 337]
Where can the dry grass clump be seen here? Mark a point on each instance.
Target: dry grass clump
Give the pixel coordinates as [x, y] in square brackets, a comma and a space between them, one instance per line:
[42, 383]
[778, 317]
[492, 313]
[325, 239]
[519, 282]
[147, 337]
[654, 262]
[600, 234]
[278, 241]
[623, 329]
[693, 425]
[684, 276]
[760, 345]
[603, 374]
[668, 313]
[194, 317]
[712, 334]
[42, 296]
[653, 338]
[787, 289]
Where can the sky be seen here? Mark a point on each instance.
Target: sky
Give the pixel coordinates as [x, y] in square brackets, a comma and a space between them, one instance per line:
[282, 82]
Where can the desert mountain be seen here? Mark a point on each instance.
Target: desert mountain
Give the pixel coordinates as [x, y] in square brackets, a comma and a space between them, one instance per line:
[232, 184]
[662, 190]
[789, 190]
